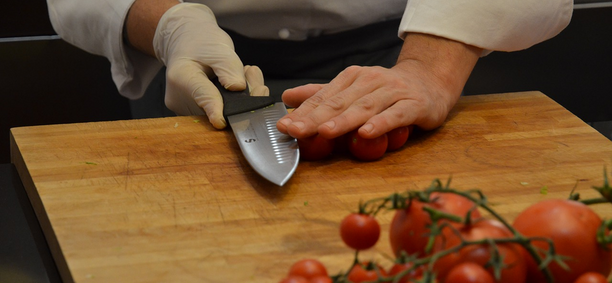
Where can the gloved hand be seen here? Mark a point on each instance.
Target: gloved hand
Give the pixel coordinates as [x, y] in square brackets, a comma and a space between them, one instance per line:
[193, 48]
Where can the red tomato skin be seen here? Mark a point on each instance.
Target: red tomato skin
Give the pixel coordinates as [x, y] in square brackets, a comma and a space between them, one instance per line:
[516, 269]
[308, 268]
[591, 277]
[359, 273]
[367, 149]
[294, 279]
[408, 229]
[397, 138]
[321, 279]
[359, 231]
[572, 226]
[398, 268]
[315, 147]
[469, 272]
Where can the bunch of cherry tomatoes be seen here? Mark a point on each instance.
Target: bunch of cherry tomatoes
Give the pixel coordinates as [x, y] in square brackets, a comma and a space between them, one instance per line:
[317, 147]
[440, 235]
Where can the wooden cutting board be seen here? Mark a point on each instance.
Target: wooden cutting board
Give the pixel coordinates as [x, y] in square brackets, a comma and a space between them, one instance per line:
[172, 200]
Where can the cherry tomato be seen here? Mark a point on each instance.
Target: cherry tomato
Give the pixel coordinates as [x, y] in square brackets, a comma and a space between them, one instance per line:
[572, 227]
[515, 269]
[294, 279]
[321, 279]
[367, 149]
[409, 232]
[398, 268]
[315, 147]
[365, 272]
[308, 268]
[591, 277]
[359, 231]
[469, 272]
[397, 138]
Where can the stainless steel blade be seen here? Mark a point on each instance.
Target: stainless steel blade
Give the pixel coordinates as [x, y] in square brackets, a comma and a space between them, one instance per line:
[272, 154]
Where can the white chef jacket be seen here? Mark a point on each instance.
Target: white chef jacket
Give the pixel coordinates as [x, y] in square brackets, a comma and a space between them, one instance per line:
[495, 25]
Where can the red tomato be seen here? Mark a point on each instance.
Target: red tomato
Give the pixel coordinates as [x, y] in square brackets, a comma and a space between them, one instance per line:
[308, 268]
[397, 138]
[469, 272]
[365, 272]
[408, 231]
[515, 270]
[367, 149]
[359, 231]
[591, 277]
[294, 279]
[398, 268]
[572, 226]
[315, 147]
[321, 279]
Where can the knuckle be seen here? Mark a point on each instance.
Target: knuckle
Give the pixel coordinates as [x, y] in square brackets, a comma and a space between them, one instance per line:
[336, 103]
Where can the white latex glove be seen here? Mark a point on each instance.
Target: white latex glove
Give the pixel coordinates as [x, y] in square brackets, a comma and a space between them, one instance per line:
[193, 48]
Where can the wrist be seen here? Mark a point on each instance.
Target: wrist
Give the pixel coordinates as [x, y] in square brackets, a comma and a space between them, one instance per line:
[141, 23]
[446, 61]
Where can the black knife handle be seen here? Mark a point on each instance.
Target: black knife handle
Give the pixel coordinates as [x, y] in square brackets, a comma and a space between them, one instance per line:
[236, 102]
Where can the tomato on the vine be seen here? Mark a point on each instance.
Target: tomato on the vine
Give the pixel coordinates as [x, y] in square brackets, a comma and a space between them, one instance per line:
[591, 277]
[513, 270]
[398, 268]
[321, 279]
[572, 226]
[365, 272]
[409, 230]
[308, 268]
[469, 272]
[367, 149]
[294, 279]
[397, 137]
[359, 231]
[315, 147]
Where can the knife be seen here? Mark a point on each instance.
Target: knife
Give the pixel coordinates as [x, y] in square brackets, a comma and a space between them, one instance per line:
[272, 154]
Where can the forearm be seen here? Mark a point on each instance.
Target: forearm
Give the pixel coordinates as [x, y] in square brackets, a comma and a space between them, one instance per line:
[449, 61]
[142, 20]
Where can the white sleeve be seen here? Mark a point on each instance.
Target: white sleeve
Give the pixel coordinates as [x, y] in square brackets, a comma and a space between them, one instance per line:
[97, 27]
[495, 25]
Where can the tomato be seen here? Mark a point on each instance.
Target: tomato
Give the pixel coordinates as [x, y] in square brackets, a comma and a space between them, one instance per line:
[591, 277]
[408, 230]
[359, 231]
[398, 268]
[397, 138]
[469, 272]
[367, 149]
[515, 269]
[365, 272]
[308, 268]
[572, 226]
[321, 279]
[294, 279]
[315, 147]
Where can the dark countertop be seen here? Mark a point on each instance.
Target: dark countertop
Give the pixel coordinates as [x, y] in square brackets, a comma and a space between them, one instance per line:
[24, 254]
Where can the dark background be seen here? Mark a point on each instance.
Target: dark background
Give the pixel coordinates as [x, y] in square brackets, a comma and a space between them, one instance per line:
[49, 81]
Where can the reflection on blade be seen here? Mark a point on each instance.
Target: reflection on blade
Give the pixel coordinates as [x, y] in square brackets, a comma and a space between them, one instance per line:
[271, 153]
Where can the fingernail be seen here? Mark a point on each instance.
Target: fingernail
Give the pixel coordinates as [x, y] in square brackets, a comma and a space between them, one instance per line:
[286, 122]
[298, 125]
[330, 124]
[368, 127]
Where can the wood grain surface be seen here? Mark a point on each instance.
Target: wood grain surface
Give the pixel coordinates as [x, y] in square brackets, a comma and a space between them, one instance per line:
[172, 200]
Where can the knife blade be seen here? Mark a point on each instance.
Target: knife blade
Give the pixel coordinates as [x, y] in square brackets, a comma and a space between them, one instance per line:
[272, 154]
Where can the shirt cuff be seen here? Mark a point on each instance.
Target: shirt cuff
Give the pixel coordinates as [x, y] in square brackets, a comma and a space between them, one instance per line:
[489, 24]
